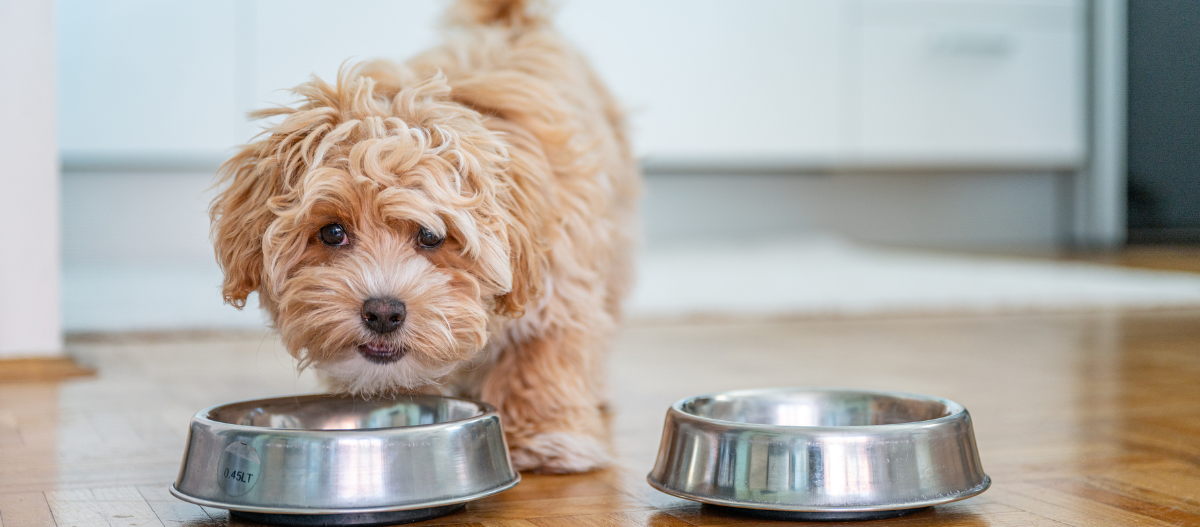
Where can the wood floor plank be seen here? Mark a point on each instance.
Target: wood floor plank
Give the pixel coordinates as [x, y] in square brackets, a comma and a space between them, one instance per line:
[621, 519]
[26, 509]
[75, 508]
[42, 369]
[492, 523]
[1070, 509]
[172, 511]
[541, 496]
[977, 512]
[488, 509]
[1125, 497]
[116, 507]
[632, 481]
[10, 432]
[126, 507]
[1178, 487]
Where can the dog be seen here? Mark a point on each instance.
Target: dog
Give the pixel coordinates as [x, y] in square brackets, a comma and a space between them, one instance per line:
[460, 224]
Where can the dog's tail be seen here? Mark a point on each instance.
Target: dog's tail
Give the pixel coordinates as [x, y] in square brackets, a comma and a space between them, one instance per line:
[515, 14]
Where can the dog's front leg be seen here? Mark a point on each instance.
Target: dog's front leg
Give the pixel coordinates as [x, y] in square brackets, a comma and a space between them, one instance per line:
[547, 396]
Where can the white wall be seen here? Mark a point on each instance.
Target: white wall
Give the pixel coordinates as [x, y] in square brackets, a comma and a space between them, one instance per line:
[140, 241]
[29, 254]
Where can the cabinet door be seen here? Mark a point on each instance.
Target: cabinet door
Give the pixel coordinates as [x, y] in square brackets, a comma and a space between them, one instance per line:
[971, 82]
[715, 79]
[146, 77]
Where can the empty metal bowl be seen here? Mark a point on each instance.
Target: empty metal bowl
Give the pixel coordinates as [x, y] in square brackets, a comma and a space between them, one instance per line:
[340, 460]
[819, 454]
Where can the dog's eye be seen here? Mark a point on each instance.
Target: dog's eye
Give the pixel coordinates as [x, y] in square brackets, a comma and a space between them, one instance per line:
[333, 235]
[428, 239]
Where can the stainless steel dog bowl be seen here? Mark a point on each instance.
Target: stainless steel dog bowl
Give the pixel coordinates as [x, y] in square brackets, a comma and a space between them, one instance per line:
[819, 454]
[340, 460]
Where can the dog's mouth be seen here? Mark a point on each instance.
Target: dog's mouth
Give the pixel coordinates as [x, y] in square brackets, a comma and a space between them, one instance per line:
[381, 352]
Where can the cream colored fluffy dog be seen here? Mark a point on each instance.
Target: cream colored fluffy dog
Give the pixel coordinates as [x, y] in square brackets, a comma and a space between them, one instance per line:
[462, 223]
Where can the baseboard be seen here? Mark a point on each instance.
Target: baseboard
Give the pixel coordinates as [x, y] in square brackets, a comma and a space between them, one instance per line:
[42, 369]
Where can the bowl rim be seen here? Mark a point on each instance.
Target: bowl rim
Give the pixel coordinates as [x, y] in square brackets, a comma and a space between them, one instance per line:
[957, 411]
[201, 416]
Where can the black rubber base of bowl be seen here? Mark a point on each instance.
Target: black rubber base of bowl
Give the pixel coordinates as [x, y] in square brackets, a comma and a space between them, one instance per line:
[368, 519]
[808, 516]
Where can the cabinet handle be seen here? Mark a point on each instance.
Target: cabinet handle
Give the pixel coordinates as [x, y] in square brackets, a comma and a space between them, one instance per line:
[968, 43]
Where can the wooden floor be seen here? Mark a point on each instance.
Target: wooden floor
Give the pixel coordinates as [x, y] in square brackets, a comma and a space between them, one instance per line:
[1160, 257]
[1081, 419]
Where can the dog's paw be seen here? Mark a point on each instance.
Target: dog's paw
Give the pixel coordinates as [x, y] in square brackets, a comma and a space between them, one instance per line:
[559, 453]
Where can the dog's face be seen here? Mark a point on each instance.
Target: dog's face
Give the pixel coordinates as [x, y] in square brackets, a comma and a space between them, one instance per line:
[373, 223]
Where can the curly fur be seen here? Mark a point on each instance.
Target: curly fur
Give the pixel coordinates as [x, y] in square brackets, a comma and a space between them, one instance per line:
[503, 141]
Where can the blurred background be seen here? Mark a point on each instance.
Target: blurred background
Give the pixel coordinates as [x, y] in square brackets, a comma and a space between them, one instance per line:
[801, 156]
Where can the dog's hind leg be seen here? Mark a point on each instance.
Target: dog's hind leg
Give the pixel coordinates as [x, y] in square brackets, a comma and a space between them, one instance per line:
[546, 395]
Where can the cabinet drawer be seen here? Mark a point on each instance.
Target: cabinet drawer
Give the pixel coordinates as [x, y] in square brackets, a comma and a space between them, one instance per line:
[971, 82]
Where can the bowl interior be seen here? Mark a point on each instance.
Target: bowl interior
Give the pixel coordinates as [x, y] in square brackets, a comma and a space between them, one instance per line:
[317, 412]
[817, 408]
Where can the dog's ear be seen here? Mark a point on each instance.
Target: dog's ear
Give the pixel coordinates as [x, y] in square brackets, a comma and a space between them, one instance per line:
[240, 216]
[525, 205]
[527, 258]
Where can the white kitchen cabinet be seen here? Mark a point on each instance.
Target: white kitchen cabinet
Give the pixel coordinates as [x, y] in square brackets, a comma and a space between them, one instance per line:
[720, 80]
[787, 83]
[701, 79]
[970, 82]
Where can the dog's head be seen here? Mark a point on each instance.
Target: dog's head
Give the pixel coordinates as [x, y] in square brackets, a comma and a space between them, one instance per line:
[376, 225]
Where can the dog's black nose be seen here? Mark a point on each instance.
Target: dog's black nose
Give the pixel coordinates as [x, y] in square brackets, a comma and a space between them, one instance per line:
[383, 315]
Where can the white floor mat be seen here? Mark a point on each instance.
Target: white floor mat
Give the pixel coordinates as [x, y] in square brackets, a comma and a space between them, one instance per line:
[833, 277]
